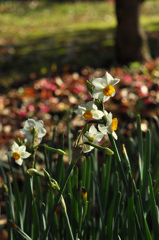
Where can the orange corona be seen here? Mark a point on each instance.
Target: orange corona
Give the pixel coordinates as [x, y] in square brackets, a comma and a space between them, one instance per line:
[108, 90]
[16, 155]
[88, 115]
[114, 124]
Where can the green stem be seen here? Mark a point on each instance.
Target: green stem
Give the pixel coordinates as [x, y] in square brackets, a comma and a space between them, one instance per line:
[58, 151]
[69, 226]
[75, 157]
[119, 162]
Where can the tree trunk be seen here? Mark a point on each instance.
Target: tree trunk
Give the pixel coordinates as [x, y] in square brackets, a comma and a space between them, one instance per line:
[131, 41]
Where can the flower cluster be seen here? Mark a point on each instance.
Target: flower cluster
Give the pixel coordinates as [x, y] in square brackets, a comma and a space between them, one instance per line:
[93, 111]
[33, 132]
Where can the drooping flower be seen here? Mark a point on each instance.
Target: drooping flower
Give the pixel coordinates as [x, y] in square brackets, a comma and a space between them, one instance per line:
[104, 87]
[92, 136]
[89, 111]
[18, 153]
[35, 128]
[111, 125]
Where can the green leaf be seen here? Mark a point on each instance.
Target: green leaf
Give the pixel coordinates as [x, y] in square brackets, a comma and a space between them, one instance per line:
[105, 183]
[36, 224]
[140, 147]
[119, 163]
[59, 170]
[98, 198]
[153, 209]
[146, 166]
[18, 203]
[131, 220]
[84, 164]
[19, 232]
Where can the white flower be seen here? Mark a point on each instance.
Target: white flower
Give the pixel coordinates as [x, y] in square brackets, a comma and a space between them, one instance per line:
[104, 87]
[89, 111]
[110, 126]
[18, 153]
[92, 136]
[31, 126]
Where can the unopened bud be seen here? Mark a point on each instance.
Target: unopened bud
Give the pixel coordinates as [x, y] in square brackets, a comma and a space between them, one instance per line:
[89, 86]
[108, 151]
[34, 172]
[5, 187]
[63, 205]
[84, 194]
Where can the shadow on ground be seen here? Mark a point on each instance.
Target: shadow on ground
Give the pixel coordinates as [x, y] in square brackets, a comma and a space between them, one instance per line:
[72, 50]
[69, 51]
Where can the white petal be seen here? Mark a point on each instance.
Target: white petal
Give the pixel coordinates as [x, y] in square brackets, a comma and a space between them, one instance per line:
[97, 114]
[22, 149]
[19, 161]
[25, 154]
[31, 122]
[24, 131]
[82, 107]
[109, 130]
[89, 134]
[109, 117]
[39, 124]
[115, 81]
[94, 107]
[113, 93]
[98, 136]
[107, 78]
[29, 137]
[114, 135]
[87, 148]
[97, 94]
[93, 130]
[102, 128]
[90, 105]
[15, 147]
[98, 82]
[41, 133]
[79, 111]
[105, 98]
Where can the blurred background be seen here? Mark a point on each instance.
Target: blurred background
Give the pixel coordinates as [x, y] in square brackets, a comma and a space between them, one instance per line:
[48, 49]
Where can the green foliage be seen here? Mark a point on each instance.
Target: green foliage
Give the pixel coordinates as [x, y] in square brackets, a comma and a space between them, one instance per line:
[93, 201]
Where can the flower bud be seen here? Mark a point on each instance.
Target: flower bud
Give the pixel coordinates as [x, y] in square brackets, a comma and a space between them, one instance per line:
[84, 194]
[33, 172]
[90, 87]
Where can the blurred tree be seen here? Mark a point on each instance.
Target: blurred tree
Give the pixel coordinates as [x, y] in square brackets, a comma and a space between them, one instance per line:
[131, 41]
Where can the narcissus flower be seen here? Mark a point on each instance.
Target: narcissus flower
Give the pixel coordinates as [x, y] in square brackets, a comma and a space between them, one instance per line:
[35, 128]
[104, 87]
[89, 111]
[18, 153]
[92, 136]
[111, 125]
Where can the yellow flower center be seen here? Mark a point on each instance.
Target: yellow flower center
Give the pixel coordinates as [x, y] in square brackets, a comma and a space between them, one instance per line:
[108, 90]
[114, 124]
[16, 155]
[88, 115]
[33, 131]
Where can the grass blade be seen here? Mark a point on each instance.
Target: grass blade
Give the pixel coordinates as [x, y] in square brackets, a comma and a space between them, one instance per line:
[153, 209]
[140, 147]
